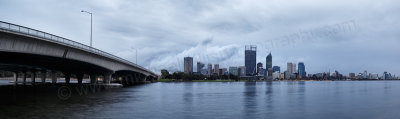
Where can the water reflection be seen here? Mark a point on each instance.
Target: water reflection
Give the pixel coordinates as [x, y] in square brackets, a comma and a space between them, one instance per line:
[269, 100]
[326, 100]
[250, 101]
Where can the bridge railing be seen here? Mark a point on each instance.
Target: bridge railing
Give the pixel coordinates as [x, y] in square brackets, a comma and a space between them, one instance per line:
[40, 34]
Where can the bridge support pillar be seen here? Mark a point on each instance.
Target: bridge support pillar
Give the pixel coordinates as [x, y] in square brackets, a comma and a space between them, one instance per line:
[107, 78]
[53, 77]
[93, 79]
[33, 78]
[67, 77]
[80, 78]
[15, 78]
[125, 80]
[129, 80]
[136, 78]
[24, 78]
[43, 76]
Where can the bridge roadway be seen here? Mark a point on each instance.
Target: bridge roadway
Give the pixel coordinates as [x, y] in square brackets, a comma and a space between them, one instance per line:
[32, 54]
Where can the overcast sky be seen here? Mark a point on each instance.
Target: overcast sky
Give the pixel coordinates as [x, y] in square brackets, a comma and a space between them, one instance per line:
[343, 35]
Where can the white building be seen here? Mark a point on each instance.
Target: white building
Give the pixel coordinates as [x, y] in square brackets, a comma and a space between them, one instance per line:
[275, 75]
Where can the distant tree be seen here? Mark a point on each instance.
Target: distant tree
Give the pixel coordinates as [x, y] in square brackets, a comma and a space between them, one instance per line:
[164, 74]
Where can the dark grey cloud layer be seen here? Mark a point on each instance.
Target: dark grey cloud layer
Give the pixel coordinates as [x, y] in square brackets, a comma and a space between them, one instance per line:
[215, 31]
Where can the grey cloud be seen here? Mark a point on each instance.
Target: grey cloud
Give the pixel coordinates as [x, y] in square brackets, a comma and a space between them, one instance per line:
[165, 31]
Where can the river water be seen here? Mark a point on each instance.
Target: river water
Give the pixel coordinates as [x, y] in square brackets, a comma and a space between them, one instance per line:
[204, 100]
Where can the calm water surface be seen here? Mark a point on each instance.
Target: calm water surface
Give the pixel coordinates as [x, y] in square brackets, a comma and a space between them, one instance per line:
[202, 100]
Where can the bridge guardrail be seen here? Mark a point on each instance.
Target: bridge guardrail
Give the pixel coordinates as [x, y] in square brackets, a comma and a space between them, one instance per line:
[36, 33]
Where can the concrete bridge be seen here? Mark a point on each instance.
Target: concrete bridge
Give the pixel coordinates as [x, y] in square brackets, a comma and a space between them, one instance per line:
[34, 54]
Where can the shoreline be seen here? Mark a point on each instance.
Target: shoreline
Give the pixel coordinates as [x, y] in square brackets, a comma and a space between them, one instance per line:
[170, 80]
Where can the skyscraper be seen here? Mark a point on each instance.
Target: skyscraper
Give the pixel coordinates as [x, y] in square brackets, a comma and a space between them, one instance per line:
[276, 69]
[209, 69]
[365, 75]
[188, 65]
[289, 67]
[216, 69]
[200, 66]
[294, 69]
[268, 63]
[250, 59]
[302, 70]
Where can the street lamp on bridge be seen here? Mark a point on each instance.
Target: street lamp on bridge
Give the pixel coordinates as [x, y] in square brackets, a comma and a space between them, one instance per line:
[136, 54]
[90, 26]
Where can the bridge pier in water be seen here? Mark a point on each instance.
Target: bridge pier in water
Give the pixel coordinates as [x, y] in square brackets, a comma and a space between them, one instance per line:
[93, 79]
[24, 78]
[79, 78]
[33, 78]
[107, 78]
[15, 78]
[53, 77]
[43, 76]
[67, 77]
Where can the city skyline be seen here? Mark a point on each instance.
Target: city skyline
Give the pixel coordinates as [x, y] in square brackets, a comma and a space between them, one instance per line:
[272, 72]
[353, 39]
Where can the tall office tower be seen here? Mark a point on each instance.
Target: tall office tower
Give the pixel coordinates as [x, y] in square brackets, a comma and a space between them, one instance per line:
[209, 69]
[259, 68]
[250, 59]
[216, 69]
[200, 66]
[268, 62]
[294, 70]
[188, 65]
[289, 67]
[302, 70]
[365, 76]
[385, 76]
[276, 69]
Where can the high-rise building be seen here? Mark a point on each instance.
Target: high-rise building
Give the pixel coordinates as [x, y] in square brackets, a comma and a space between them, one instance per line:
[188, 65]
[259, 68]
[374, 76]
[276, 69]
[209, 69]
[233, 71]
[289, 67]
[294, 70]
[242, 70]
[302, 70]
[365, 75]
[250, 59]
[200, 66]
[385, 76]
[268, 62]
[352, 75]
[287, 74]
[269, 76]
[223, 71]
[216, 69]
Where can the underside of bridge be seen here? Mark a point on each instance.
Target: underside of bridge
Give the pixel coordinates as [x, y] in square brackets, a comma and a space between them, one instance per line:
[25, 62]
